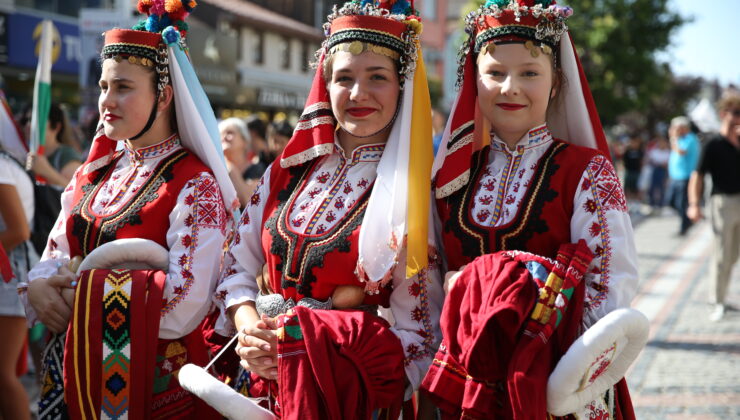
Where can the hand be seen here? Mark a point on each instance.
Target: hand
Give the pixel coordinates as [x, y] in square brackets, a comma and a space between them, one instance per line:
[257, 347]
[694, 213]
[45, 296]
[42, 167]
[451, 278]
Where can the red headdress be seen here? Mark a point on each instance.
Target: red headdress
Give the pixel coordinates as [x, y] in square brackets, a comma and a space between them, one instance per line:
[540, 25]
[398, 210]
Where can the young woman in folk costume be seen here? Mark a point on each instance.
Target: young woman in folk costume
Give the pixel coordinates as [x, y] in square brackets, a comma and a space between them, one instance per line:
[523, 167]
[340, 220]
[129, 331]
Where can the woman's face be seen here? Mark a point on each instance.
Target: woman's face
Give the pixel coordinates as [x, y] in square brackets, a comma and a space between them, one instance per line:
[235, 146]
[364, 91]
[514, 89]
[126, 98]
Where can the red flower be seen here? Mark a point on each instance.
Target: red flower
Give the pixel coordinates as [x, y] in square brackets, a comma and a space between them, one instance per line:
[595, 229]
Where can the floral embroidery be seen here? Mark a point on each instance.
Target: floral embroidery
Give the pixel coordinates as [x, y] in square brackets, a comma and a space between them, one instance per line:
[313, 193]
[363, 183]
[339, 203]
[320, 229]
[590, 206]
[207, 211]
[486, 200]
[489, 185]
[255, 199]
[483, 215]
[323, 177]
[347, 188]
[298, 221]
[595, 229]
[330, 216]
[608, 189]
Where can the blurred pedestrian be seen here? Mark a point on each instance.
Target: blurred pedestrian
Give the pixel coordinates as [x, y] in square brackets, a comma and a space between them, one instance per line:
[682, 161]
[16, 212]
[721, 160]
[632, 159]
[657, 158]
[261, 156]
[236, 143]
[278, 135]
[61, 156]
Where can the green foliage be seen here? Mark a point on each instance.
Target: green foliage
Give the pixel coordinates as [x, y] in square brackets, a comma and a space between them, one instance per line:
[617, 41]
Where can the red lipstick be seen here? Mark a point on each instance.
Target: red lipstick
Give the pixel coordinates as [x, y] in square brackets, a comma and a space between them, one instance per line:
[360, 112]
[509, 107]
[111, 117]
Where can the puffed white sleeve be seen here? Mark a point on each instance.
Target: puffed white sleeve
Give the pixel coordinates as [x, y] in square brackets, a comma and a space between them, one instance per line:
[244, 259]
[416, 305]
[600, 217]
[56, 252]
[196, 240]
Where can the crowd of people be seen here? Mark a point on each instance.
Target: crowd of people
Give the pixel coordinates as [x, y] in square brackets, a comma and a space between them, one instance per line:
[368, 256]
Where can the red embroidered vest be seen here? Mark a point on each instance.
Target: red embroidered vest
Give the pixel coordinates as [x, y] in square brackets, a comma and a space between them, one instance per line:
[145, 215]
[303, 265]
[543, 220]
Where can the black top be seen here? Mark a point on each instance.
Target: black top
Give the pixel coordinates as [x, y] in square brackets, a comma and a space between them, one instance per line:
[721, 160]
[632, 159]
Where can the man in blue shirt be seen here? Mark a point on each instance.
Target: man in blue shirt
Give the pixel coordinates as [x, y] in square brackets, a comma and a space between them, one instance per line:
[682, 162]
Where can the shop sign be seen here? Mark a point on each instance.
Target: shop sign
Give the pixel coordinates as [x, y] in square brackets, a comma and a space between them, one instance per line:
[24, 35]
[275, 98]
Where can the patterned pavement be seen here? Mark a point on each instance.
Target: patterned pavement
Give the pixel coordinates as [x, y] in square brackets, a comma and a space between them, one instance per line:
[690, 368]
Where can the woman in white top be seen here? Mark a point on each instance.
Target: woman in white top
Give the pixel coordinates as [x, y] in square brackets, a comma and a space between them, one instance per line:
[16, 212]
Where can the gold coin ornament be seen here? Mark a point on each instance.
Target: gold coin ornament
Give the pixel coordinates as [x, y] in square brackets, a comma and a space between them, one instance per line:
[355, 48]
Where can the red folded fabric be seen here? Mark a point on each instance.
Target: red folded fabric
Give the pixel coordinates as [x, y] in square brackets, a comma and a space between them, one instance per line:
[505, 323]
[338, 365]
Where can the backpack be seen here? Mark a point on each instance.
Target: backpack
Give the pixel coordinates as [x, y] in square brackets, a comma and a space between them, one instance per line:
[48, 204]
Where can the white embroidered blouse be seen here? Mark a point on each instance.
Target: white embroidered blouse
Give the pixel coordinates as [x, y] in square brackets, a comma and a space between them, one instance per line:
[335, 184]
[195, 238]
[600, 216]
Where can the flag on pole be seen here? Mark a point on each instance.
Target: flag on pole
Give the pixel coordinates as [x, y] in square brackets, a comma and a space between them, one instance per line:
[11, 138]
[41, 90]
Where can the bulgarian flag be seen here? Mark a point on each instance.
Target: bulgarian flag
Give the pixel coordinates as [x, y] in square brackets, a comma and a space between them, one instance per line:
[41, 90]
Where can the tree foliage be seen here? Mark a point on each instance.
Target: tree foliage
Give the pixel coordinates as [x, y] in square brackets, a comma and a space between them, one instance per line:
[617, 41]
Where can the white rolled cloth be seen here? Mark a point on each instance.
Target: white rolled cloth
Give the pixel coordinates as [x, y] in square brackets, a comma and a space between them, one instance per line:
[596, 360]
[220, 396]
[131, 253]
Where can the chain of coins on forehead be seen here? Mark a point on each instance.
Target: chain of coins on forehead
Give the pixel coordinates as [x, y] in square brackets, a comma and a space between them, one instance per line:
[357, 48]
[143, 56]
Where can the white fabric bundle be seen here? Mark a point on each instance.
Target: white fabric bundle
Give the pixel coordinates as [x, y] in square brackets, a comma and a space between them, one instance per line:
[132, 253]
[596, 361]
[220, 396]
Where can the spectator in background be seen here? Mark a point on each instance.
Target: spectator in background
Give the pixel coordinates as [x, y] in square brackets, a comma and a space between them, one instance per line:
[262, 157]
[439, 120]
[682, 161]
[278, 135]
[236, 145]
[16, 212]
[657, 158]
[61, 151]
[257, 131]
[721, 159]
[632, 160]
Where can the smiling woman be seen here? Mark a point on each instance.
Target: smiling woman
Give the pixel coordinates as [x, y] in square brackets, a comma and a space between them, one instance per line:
[530, 180]
[328, 228]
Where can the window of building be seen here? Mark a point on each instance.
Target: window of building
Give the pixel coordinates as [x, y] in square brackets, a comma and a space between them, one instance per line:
[258, 52]
[306, 56]
[285, 53]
